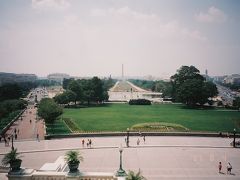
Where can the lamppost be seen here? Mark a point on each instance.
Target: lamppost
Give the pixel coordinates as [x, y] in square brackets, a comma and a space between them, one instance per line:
[121, 172]
[127, 137]
[234, 137]
[12, 143]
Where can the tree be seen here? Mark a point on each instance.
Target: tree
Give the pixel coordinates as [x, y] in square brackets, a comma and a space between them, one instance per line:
[236, 102]
[190, 87]
[61, 98]
[49, 110]
[71, 96]
[132, 176]
[97, 88]
[66, 82]
[75, 86]
[10, 91]
[190, 91]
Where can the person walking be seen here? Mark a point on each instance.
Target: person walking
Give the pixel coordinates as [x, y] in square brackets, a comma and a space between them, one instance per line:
[5, 141]
[90, 143]
[138, 141]
[220, 167]
[87, 143]
[229, 168]
[144, 139]
[38, 137]
[83, 143]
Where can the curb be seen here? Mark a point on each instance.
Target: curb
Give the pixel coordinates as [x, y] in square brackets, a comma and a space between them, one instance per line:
[130, 147]
[108, 134]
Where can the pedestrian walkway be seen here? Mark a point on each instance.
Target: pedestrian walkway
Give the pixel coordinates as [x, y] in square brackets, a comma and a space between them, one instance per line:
[27, 126]
[159, 158]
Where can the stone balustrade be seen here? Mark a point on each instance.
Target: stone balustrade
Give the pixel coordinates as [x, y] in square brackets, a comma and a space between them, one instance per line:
[30, 174]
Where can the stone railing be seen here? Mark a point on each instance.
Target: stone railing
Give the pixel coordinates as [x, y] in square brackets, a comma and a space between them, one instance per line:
[59, 171]
[30, 174]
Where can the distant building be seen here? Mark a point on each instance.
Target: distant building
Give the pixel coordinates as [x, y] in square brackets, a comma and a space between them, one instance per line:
[58, 77]
[16, 78]
[124, 91]
[233, 79]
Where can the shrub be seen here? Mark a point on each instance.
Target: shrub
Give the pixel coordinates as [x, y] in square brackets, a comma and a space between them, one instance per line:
[139, 102]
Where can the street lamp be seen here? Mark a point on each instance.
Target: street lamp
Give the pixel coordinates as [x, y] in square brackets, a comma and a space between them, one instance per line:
[127, 137]
[234, 137]
[121, 172]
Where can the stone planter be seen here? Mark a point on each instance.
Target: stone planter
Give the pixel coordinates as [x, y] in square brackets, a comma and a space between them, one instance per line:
[15, 165]
[73, 166]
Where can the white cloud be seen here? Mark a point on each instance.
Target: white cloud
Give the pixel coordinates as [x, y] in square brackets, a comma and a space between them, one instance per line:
[76, 45]
[50, 4]
[144, 24]
[124, 11]
[214, 15]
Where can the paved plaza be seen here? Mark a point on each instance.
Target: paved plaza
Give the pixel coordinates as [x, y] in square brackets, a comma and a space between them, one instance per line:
[158, 158]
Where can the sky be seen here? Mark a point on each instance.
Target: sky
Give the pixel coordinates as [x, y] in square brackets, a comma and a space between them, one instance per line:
[95, 37]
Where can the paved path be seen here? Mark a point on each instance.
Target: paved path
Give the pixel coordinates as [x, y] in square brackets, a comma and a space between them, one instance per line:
[28, 126]
[158, 158]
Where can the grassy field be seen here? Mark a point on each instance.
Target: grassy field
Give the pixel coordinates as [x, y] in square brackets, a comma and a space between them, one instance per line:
[119, 117]
[58, 127]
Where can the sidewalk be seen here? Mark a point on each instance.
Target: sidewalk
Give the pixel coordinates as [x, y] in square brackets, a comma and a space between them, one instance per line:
[28, 126]
[114, 142]
[159, 158]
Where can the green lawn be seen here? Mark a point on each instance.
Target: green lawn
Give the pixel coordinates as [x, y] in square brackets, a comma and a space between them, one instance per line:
[58, 127]
[119, 117]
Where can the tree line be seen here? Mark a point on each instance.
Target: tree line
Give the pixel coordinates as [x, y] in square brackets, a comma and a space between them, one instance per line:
[10, 102]
[82, 91]
[187, 86]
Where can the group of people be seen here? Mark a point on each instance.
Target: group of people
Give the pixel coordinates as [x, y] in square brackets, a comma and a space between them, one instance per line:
[89, 143]
[138, 140]
[143, 136]
[229, 168]
[7, 138]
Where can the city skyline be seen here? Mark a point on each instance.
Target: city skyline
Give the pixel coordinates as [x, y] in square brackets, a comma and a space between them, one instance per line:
[96, 37]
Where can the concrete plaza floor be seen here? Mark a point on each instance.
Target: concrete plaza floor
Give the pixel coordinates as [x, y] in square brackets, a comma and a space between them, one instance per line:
[158, 158]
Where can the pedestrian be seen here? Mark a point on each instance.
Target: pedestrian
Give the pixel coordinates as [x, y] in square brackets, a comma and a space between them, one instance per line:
[9, 138]
[83, 143]
[138, 141]
[90, 143]
[220, 167]
[5, 141]
[229, 168]
[144, 139]
[38, 137]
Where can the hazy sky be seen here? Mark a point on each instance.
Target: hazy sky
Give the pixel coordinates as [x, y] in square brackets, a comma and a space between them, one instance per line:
[94, 37]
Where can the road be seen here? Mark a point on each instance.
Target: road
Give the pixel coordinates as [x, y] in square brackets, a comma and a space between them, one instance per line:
[226, 94]
[158, 158]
